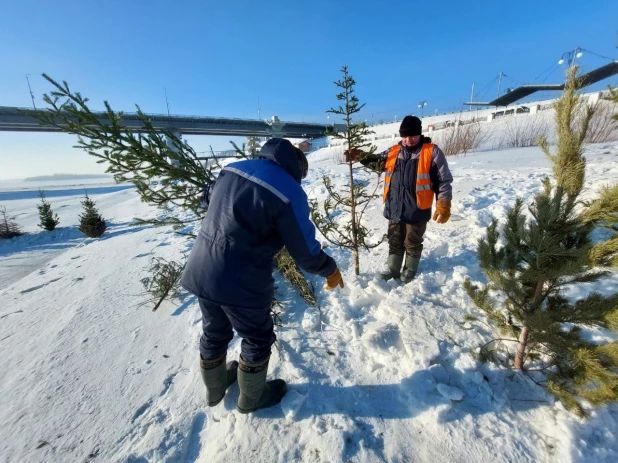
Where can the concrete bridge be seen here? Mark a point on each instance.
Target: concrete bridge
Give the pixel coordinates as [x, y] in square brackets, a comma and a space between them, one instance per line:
[23, 120]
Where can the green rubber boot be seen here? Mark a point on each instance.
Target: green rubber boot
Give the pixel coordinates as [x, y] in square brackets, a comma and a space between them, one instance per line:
[393, 262]
[255, 392]
[410, 269]
[217, 376]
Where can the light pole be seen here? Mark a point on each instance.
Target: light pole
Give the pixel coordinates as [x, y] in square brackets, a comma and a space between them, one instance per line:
[31, 94]
[571, 55]
[421, 105]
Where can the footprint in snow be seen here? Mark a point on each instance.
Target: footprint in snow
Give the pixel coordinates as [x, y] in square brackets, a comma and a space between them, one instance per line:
[144, 254]
[34, 288]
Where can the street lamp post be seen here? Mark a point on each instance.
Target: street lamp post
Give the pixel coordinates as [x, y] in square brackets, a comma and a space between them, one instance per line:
[421, 105]
[571, 55]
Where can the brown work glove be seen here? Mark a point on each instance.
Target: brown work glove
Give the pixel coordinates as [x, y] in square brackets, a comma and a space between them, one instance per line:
[352, 155]
[443, 211]
[333, 280]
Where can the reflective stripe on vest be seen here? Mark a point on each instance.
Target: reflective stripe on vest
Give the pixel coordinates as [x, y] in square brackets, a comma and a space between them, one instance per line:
[424, 192]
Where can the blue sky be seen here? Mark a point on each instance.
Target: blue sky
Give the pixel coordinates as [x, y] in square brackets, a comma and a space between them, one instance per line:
[219, 58]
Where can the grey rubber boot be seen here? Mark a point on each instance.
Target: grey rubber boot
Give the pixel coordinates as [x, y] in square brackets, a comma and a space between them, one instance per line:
[217, 376]
[410, 269]
[255, 392]
[393, 262]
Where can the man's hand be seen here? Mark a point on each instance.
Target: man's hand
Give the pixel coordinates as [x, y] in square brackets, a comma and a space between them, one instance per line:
[333, 280]
[443, 211]
[352, 155]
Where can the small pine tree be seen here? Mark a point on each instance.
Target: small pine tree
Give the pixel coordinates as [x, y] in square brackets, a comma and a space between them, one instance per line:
[90, 222]
[8, 228]
[531, 261]
[48, 220]
[355, 196]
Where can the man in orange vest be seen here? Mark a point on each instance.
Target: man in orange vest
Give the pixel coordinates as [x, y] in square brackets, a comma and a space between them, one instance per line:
[416, 172]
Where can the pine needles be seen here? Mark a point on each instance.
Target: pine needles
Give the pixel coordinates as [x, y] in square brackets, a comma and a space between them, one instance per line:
[529, 262]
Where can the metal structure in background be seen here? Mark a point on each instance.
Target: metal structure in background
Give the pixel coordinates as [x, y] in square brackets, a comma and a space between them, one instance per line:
[523, 91]
[421, 105]
[24, 120]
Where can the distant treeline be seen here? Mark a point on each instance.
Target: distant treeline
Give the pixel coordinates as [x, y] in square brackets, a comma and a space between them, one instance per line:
[65, 177]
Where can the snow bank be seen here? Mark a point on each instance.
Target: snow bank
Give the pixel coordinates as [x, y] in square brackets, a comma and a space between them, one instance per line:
[381, 372]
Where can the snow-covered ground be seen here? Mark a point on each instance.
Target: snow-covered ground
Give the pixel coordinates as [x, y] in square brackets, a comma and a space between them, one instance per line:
[89, 375]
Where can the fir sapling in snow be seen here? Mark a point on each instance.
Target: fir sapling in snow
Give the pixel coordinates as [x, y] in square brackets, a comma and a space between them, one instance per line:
[90, 221]
[533, 258]
[8, 228]
[347, 230]
[48, 220]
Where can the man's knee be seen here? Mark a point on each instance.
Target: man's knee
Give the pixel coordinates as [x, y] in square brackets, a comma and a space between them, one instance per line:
[255, 327]
[216, 330]
[396, 238]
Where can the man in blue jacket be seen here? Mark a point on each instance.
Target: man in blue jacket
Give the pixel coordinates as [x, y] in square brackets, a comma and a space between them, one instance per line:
[254, 209]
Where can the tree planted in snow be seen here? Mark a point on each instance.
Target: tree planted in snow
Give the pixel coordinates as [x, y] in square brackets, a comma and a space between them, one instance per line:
[8, 227]
[91, 223]
[532, 259]
[48, 220]
[347, 230]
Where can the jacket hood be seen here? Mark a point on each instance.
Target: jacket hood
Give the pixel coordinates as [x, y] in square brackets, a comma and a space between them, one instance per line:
[283, 153]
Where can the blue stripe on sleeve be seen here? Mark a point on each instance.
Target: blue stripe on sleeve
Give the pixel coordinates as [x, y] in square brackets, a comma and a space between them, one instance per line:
[278, 181]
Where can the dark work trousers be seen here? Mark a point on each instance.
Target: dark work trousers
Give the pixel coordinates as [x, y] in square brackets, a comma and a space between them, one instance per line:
[406, 237]
[254, 326]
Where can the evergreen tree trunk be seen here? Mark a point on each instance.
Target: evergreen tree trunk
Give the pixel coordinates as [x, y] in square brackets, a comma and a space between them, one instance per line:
[348, 121]
[521, 348]
[354, 197]
[354, 227]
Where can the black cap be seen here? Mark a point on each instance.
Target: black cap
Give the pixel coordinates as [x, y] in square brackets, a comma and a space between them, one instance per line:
[410, 126]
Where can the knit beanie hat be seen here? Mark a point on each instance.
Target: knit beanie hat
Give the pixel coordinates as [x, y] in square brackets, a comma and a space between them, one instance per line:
[302, 159]
[410, 126]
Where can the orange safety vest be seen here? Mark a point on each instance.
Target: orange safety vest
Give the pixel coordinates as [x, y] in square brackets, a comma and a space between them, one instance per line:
[424, 193]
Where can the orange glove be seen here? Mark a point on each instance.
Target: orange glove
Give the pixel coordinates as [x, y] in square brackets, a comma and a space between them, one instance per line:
[443, 211]
[333, 280]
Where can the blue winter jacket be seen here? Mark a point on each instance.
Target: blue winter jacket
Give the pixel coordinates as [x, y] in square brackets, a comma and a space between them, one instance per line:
[255, 208]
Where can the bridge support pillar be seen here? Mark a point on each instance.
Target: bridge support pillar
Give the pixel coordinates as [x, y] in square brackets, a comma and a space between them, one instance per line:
[276, 128]
[172, 146]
